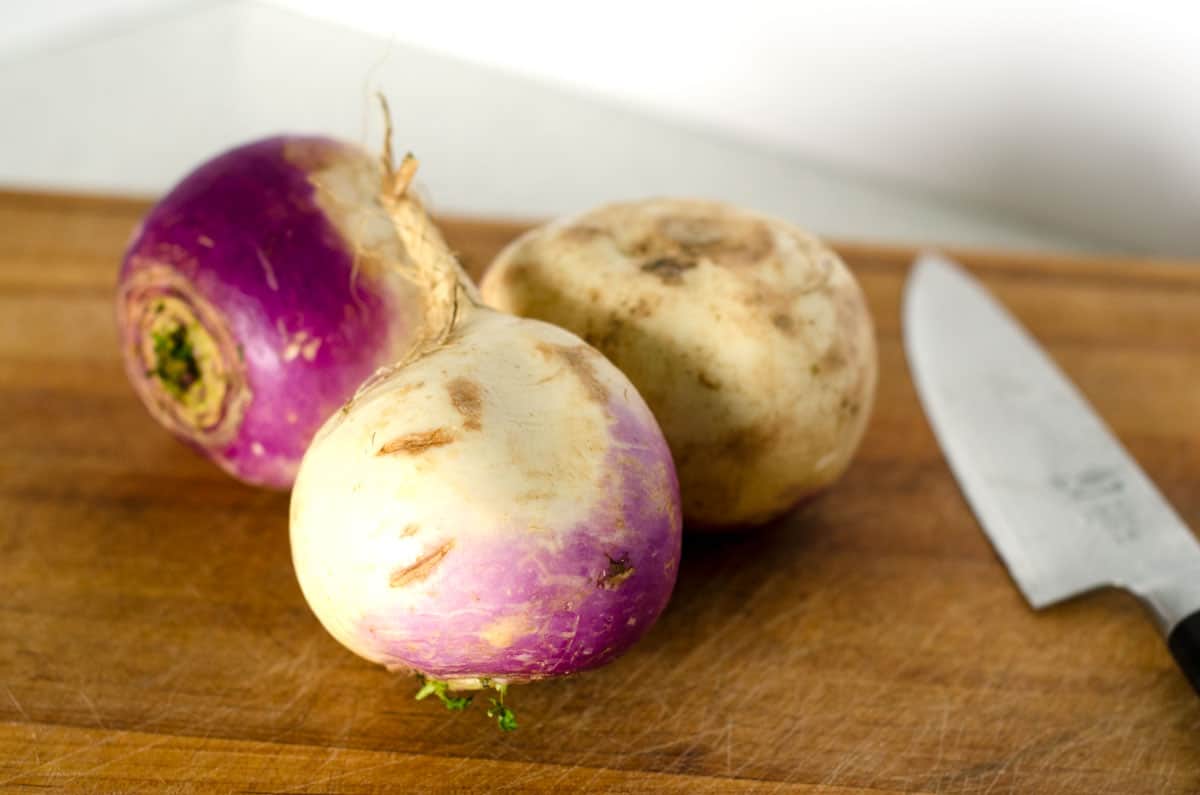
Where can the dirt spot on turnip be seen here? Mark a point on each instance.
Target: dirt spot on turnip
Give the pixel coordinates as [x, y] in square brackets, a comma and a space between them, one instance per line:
[425, 565]
[410, 530]
[738, 449]
[833, 359]
[689, 234]
[784, 323]
[467, 397]
[644, 308]
[669, 270]
[616, 572]
[533, 495]
[578, 359]
[725, 238]
[518, 273]
[415, 443]
[747, 444]
[844, 348]
[607, 339]
[707, 381]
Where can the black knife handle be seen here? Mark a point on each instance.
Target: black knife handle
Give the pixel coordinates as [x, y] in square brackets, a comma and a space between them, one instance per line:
[1184, 642]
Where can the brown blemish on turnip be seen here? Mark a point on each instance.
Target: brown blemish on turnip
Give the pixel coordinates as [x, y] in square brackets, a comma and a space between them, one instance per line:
[724, 238]
[707, 381]
[578, 359]
[833, 359]
[643, 308]
[534, 495]
[410, 530]
[415, 443]
[467, 397]
[848, 406]
[518, 273]
[705, 232]
[607, 341]
[746, 444]
[784, 323]
[669, 270]
[844, 349]
[739, 448]
[616, 572]
[425, 565]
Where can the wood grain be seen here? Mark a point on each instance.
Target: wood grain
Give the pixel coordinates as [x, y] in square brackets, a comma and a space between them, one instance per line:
[153, 638]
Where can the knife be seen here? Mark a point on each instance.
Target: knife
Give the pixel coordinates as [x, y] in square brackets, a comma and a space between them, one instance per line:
[1064, 504]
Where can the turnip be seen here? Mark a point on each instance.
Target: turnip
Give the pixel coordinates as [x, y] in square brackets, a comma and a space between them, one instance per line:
[253, 300]
[499, 507]
[749, 339]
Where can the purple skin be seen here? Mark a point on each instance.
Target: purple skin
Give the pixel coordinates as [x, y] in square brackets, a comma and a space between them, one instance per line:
[246, 318]
[580, 606]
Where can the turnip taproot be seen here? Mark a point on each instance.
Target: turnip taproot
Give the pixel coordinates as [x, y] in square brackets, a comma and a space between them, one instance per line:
[253, 300]
[498, 507]
[749, 339]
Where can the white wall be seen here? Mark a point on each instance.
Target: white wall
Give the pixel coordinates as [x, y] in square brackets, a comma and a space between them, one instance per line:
[980, 124]
[33, 26]
[1081, 113]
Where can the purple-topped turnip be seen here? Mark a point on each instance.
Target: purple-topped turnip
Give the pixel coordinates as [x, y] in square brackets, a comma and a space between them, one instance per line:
[254, 299]
[500, 507]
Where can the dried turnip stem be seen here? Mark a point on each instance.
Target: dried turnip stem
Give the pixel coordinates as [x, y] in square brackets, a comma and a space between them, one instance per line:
[431, 263]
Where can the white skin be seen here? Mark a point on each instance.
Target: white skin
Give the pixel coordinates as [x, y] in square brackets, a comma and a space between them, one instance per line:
[749, 338]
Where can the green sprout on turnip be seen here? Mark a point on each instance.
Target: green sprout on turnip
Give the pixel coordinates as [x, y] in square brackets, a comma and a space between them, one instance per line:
[506, 719]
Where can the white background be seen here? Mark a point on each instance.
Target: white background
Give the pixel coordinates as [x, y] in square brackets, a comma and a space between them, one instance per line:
[1053, 124]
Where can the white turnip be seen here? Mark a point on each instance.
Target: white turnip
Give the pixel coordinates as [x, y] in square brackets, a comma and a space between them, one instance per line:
[749, 339]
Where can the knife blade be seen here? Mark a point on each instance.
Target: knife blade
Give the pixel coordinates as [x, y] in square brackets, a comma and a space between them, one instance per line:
[1066, 507]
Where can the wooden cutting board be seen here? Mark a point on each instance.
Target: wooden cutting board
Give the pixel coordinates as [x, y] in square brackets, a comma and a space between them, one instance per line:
[153, 637]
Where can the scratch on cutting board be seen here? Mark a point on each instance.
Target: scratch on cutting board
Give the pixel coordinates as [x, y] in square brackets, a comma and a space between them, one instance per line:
[728, 745]
[533, 775]
[324, 781]
[331, 755]
[553, 784]
[13, 698]
[63, 757]
[988, 775]
[862, 754]
[92, 707]
[122, 757]
[795, 723]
